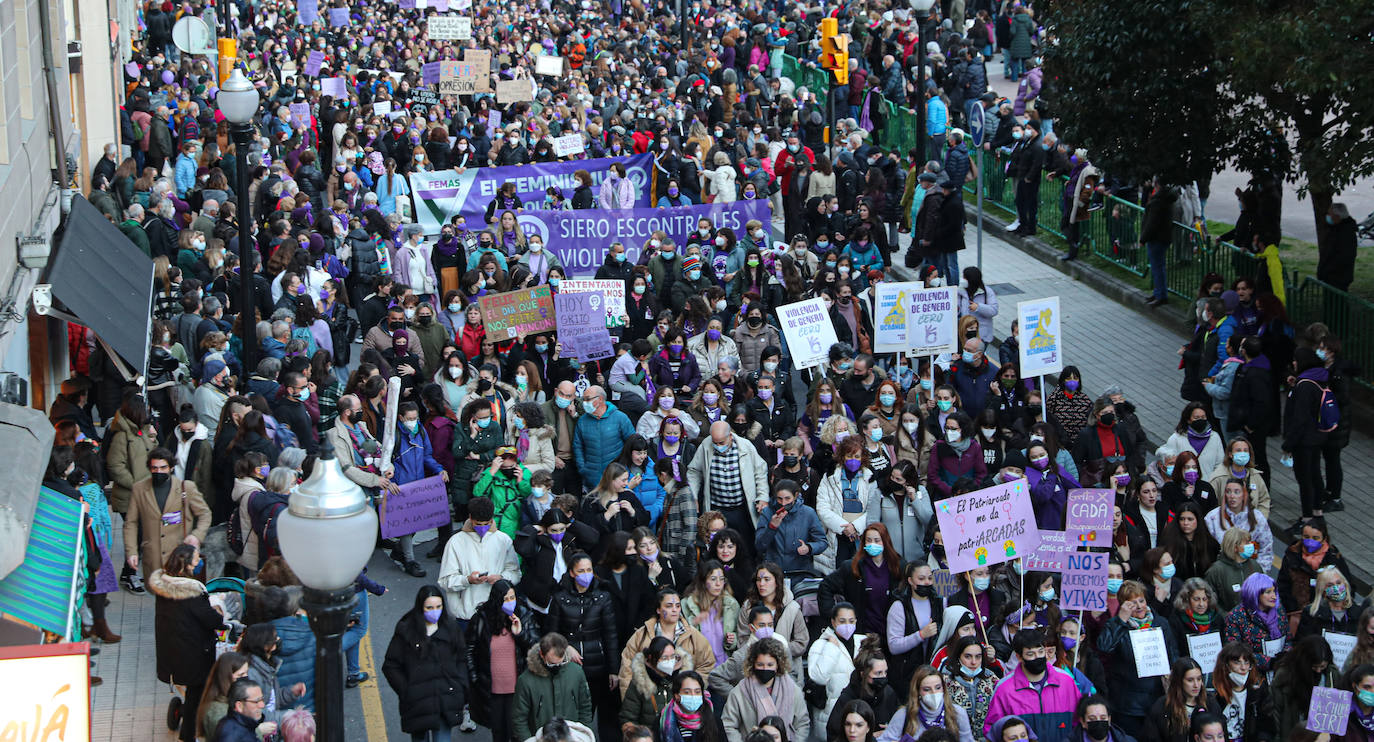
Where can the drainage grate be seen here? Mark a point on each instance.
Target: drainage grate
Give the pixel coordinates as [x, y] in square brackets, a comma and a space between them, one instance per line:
[1005, 289]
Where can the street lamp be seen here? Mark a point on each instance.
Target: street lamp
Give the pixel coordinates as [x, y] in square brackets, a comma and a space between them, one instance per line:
[327, 534]
[922, 8]
[238, 101]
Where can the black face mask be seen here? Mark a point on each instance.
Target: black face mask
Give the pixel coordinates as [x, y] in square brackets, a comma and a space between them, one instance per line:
[1098, 729]
[1198, 425]
[755, 321]
[939, 551]
[161, 478]
[765, 676]
[1035, 666]
[186, 435]
[396, 325]
[76, 478]
[484, 386]
[789, 461]
[1109, 419]
[878, 684]
[425, 319]
[925, 591]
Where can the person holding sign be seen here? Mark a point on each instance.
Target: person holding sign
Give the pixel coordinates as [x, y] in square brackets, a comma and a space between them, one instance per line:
[1049, 486]
[1308, 665]
[1258, 621]
[1195, 613]
[1247, 704]
[1131, 693]
[1041, 695]
[1169, 717]
[1362, 708]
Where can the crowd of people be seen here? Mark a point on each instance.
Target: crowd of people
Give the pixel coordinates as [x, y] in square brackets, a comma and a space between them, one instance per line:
[691, 540]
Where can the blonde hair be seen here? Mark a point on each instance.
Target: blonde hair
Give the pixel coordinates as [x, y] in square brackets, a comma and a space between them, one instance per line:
[1233, 539]
[1327, 576]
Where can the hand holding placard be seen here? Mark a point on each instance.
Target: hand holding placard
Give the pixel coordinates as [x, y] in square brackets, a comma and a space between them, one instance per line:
[1329, 711]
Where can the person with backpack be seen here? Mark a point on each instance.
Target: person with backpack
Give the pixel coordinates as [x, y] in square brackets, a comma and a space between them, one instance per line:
[264, 509]
[1309, 415]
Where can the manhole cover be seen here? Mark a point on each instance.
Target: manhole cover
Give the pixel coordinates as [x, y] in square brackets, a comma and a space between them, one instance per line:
[1005, 289]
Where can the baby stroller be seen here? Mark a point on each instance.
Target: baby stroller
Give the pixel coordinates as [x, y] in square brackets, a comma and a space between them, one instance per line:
[227, 594]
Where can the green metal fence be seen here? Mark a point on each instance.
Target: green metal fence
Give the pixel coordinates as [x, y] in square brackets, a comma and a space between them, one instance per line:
[1112, 234]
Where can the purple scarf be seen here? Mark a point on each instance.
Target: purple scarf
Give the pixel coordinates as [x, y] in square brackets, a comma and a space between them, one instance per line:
[1199, 442]
[447, 247]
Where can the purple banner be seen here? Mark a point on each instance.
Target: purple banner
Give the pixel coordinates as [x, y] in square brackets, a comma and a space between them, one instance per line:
[1084, 585]
[307, 11]
[334, 86]
[446, 193]
[419, 505]
[429, 73]
[988, 527]
[582, 327]
[1329, 711]
[338, 17]
[1089, 520]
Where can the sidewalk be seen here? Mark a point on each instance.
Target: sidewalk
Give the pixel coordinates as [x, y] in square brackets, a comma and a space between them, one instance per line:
[1115, 343]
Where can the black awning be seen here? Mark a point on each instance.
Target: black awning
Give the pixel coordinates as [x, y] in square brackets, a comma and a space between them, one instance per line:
[105, 281]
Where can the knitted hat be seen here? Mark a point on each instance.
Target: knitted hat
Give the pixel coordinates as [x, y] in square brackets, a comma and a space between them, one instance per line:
[213, 368]
[690, 263]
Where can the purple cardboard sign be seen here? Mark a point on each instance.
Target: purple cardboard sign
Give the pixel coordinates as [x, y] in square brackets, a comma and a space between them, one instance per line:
[300, 115]
[313, 64]
[407, 4]
[582, 326]
[333, 86]
[429, 73]
[419, 505]
[1089, 521]
[988, 527]
[1084, 585]
[1329, 711]
[307, 11]
[338, 17]
[1049, 555]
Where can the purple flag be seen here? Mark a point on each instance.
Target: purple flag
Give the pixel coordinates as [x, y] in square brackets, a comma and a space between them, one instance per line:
[419, 505]
[582, 326]
[307, 11]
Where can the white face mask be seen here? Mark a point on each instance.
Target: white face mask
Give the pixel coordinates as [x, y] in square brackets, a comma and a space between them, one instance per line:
[932, 701]
[454, 372]
[988, 432]
[910, 428]
[952, 436]
[720, 305]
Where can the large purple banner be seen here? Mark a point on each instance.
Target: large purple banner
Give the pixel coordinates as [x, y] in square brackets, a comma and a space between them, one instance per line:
[441, 195]
[581, 238]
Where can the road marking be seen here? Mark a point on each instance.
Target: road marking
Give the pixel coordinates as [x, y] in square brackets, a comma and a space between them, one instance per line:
[373, 715]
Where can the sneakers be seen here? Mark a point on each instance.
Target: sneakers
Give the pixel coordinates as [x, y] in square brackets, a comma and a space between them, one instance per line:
[352, 681]
[133, 583]
[1014, 226]
[414, 569]
[467, 725]
[1334, 506]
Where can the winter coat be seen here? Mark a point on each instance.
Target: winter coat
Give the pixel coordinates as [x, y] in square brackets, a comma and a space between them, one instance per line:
[740, 715]
[541, 695]
[149, 532]
[538, 553]
[906, 520]
[426, 673]
[1300, 411]
[830, 508]
[729, 618]
[478, 660]
[688, 375]
[296, 658]
[753, 474]
[1021, 30]
[184, 627]
[1213, 453]
[1248, 627]
[1157, 224]
[1158, 721]
[126, 460]
[1226, 576]
[646, 696]
[1049, 711]
[1252, 408]
[1132, 695]
[465, 554]
[972, 383]
[597, 441]
[507, 493]
[588, 620]
[830, 663]
[632, 598]
[779, 545]
[947, 466]
[751, 342]
[1296, 579]
[279, 699]
[689, 641]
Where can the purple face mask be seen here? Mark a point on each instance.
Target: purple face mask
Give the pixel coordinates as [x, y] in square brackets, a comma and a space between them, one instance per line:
[584, 579]
[713, 335]
[675, 348]
[1071, 385]
[853, 465]
[557, 537]
[1191, 476]
[671, 438]
[825, 397]
[481, 530]
[666, 402]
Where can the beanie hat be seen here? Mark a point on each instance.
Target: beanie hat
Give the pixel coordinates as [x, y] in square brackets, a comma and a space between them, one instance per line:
[690, 263]
[213, 368]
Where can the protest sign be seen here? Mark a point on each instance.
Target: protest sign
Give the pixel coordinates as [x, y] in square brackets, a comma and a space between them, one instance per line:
[313, 65]
[1084, 585]
[456, 78]
[334, 86]
[1089, 517]
[1042, 350]
[459, 4]
[1329, 711]
[1204, 648]
[307, 11]
[444, 27]
[464, 28]
[338, 17]
[582, 327]
[429, 73]
[419, 505]
[612, 292]
[517, 313]
[381, 108]
[1049, 555]
[480, 60]
[568, 145]
[493, 120]
[300, 115]
[406, 4]
[548, 65]
[913, 319]
[987, 527]
[809, 331]
[1341, 646]
[514, 91]
[946, 583]
[439, 5]
[1151, 656]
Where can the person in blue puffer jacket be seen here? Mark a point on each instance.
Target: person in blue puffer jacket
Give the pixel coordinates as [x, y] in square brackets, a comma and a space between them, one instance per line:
[413, 460]
[636, 460]
[599, 436]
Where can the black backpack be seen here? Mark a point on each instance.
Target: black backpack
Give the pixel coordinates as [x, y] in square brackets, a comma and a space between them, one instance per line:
[234, 532]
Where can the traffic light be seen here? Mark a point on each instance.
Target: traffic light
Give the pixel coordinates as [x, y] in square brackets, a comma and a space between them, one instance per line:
[835, 50]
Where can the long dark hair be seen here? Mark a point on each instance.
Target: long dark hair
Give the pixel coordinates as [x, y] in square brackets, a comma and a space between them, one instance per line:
[252, 422]
[708, 731]
[416, 615]
[1174, 702]
[497, 620]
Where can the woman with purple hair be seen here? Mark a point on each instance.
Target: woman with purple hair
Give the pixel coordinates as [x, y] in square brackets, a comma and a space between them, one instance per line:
[1258, 621]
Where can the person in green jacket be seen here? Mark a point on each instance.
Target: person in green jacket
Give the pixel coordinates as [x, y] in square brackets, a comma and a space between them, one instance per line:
[132, 227]
[507, 483]
[1235, 563]
[551, 686]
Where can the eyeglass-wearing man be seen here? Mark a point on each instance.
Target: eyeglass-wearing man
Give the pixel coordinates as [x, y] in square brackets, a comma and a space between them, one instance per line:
[244, 721]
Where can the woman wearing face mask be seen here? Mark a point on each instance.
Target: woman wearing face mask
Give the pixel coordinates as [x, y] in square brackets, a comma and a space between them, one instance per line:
[842, 503]
[423, 664]
[1161, 579]
[499, 637]
[1236, 510]
[928, 706]
[1133, 694]
[1070, 405]
[881, 454]
[713, 345]
[1189, 542]
[1194, 433]
[753, 281]
[544, 547]
[767, 690]
[1239, 464]
[673, 367]
[969, 681]
[261, 644]
[1102, 446]
[1186, 484]
[830, 661]
[184, 628]
[1243, 694]
[583, 611]
[868, 696]
[1334, 606]
[1233, 566]
[825, 402]
[1305, 559]
[1187, 698]
[958, 455]
[913, 622]
[1308, 665]
[539, 260]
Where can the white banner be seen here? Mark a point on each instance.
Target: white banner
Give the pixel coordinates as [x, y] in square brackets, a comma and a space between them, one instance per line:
[447, 27]
[1204, 648]
[1042, 342]
[909, 318]
[809, 332]
[1151, 656]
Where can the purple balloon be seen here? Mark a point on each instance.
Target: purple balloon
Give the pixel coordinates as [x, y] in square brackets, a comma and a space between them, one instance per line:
[168, 77]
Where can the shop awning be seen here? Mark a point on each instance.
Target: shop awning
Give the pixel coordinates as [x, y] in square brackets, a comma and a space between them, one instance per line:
[43, 590]
[104, 282]
[26, 437]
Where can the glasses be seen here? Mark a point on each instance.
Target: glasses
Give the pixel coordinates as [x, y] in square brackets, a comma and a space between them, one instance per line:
[259, 699]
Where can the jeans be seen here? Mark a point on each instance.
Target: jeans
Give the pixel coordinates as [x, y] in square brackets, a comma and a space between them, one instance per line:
[499, 715]
[1007, 64]
[935, 147]
[354, 635]
[1018, 68]
[1158, 252]
[947, 265]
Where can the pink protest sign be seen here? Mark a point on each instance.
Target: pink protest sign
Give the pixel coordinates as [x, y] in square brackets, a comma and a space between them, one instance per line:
[1084, 585]
[988, 527]
[1089, 521]
[1049, 555]
[419, 505]
[1329, 711]
[333, 86]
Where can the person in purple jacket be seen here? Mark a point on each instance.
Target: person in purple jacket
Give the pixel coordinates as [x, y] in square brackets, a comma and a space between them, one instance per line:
[1043, 696]
[1049, 487]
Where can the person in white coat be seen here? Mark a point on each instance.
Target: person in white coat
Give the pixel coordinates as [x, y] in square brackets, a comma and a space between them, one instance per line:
[721, 180]
[1194, 431]
[476, 558]
[830, 661]
[928, 707]
[978, 301]
[728, 475]
[843, 501]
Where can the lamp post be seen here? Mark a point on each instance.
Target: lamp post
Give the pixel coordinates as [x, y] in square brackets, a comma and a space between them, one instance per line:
[238, 101]
[327, 534]
[922, 8]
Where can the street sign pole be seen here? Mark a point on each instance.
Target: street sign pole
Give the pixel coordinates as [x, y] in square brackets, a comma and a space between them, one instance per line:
[976, 132]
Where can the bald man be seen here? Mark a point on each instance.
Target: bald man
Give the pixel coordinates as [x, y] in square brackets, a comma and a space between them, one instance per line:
[599, 436]
[729, 475]
[561, 412]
